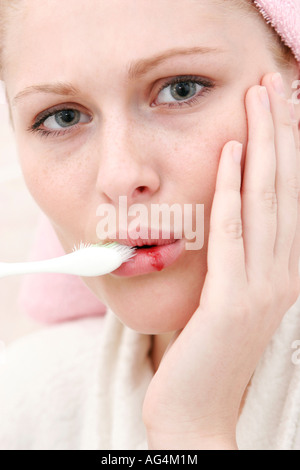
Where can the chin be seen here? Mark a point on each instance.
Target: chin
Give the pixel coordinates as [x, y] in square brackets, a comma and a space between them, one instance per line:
[155, 303]
[154, 320]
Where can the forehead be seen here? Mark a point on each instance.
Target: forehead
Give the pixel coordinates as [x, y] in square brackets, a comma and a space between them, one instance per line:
[57, 38]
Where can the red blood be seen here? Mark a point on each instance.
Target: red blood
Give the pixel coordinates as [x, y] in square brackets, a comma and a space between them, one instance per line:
[156, 261]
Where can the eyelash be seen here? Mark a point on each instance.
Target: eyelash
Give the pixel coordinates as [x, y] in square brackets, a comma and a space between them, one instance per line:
[207, 85]
[35, 128]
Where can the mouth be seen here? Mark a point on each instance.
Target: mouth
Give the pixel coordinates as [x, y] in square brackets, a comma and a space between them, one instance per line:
[149, 246]
[151, 255]
[161, 240]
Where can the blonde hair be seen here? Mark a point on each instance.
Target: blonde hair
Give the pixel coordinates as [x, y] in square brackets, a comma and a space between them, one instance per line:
[6, 9]
[282, 54]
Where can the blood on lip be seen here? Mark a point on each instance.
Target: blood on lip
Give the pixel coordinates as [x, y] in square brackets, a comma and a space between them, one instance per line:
[155, 257]
[150, 259]
[156, 260]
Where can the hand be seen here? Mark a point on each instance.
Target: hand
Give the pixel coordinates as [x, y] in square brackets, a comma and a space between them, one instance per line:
[194, 398]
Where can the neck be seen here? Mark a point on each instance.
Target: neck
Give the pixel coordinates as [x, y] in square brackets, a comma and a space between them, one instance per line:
[160, 344]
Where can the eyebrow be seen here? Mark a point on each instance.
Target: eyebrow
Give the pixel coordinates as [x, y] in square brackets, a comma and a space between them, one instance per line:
[59, 88]
[141, 67]
[135, 70]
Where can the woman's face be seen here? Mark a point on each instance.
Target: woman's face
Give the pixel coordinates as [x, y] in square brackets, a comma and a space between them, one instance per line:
[128, 131]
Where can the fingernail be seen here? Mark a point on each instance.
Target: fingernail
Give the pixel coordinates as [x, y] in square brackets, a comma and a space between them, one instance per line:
[278, 84]
[264, 98]
[237, 151]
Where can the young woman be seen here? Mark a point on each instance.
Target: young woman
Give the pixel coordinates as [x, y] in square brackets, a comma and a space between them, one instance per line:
[165, 102]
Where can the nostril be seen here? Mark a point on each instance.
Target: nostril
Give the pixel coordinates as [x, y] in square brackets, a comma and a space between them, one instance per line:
[141, 189]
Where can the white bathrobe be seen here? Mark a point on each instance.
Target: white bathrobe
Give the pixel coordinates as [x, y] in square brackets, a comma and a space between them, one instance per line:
[80, 385]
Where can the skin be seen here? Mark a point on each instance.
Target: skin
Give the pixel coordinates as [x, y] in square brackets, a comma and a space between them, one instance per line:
[245, 281]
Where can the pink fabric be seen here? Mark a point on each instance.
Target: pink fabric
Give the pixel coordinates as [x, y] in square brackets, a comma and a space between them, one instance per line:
[52, 298]
[284, 16]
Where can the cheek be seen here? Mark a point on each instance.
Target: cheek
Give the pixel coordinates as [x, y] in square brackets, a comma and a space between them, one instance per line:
[60, 188]
[191, 155]
[52, 188]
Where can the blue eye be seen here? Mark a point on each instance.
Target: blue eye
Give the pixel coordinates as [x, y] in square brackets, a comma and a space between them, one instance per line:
[65, 118]
[182, 90]
[58, 121]
[179, 92]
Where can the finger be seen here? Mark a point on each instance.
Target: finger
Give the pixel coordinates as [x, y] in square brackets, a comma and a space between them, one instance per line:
[295, 124]
[226, 260]
[287, 177]
[294, 259]
[258, 192]
[294, 262]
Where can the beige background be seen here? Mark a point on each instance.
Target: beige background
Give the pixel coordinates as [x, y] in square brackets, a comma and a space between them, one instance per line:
[18, 219]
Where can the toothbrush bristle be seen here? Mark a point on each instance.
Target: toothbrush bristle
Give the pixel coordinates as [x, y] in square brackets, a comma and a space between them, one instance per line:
[81, 246]
[125, 251]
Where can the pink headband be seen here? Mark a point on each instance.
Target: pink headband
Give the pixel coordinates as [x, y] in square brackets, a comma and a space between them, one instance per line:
[284, 16]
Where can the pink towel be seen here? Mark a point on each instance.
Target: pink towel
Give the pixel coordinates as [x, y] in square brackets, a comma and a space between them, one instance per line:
[284, 16]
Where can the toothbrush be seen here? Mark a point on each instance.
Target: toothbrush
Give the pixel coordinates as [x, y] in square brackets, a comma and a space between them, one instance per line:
[84, 261]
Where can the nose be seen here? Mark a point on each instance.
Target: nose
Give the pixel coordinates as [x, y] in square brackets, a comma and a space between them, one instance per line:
[125, 165]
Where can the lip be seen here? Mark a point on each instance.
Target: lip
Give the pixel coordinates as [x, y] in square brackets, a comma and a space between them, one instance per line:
[161, 238]
[150, 259]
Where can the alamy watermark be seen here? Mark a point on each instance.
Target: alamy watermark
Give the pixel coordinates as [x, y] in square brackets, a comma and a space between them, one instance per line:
[295, 99]
[296, 354]
[152, 222]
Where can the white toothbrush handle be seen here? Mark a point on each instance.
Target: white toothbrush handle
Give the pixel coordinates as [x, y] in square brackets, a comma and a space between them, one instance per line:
[12, 269]
[88, 262]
